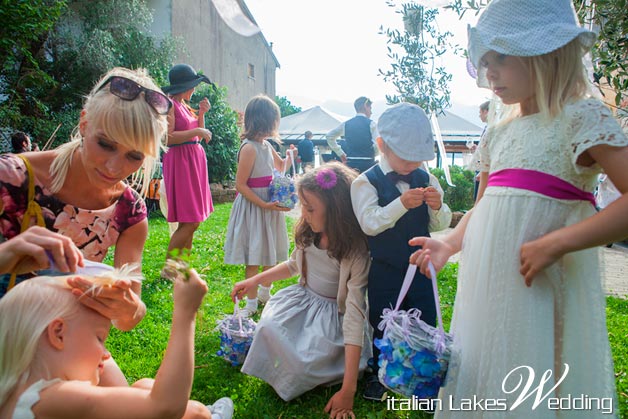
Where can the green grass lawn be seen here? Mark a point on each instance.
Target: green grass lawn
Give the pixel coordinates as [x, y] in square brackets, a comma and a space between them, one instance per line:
[140, 351]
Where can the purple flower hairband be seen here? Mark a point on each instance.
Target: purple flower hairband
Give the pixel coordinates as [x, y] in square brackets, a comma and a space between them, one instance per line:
[326, 178]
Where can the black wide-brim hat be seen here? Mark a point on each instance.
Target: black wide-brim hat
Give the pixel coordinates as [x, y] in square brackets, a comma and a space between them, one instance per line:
[183, 77]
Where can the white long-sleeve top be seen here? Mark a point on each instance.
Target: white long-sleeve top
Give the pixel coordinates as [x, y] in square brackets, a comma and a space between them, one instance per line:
[375, 219]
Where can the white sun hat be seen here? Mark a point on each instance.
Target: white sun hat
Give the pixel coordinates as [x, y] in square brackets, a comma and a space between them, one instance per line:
[524, 28]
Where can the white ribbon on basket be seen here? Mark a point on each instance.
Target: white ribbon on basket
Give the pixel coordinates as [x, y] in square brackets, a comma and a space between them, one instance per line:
[389, 315]
[237, 313]
[285, 162]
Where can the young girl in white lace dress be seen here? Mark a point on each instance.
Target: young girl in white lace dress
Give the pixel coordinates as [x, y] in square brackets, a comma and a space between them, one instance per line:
[529, 288]
[256, 233]
[313, 332]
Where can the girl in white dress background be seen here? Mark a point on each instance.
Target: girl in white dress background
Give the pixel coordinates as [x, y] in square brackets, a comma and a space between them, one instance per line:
[256, 233]
[313, 332]
[529, 286]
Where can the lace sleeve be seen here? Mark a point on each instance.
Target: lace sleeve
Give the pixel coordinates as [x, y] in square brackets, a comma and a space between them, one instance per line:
[484, 158]
[591, 123]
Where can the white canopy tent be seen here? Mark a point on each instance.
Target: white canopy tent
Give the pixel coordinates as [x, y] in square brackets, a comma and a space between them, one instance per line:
[320, 121]
[317, 119]
[453, 133]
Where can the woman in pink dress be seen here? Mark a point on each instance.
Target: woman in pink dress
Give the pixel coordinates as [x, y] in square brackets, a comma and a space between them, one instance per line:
[185, 163]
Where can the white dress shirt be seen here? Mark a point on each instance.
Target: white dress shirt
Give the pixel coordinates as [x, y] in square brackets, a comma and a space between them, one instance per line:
[375, 219]
[339, 131]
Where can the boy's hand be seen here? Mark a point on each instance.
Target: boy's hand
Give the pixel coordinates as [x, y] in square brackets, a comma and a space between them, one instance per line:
[432, 198]
[413, 198]
[189, 293]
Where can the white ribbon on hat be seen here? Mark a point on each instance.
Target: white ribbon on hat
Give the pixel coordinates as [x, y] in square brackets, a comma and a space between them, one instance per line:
[441, 148]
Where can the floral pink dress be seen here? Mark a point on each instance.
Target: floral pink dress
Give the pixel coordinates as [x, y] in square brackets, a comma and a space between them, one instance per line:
[93, 231]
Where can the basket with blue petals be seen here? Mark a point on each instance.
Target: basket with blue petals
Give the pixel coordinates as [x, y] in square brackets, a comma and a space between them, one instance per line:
[282, 188]
[236, 336]
[414, 356]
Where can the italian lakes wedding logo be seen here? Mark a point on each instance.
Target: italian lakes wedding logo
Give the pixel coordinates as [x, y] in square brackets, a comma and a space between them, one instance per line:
[521, 384]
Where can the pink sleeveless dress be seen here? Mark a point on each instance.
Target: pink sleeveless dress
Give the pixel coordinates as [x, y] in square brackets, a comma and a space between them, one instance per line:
[185, 174]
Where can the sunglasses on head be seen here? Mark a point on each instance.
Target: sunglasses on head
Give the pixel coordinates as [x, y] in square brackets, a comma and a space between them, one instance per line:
[127, 89]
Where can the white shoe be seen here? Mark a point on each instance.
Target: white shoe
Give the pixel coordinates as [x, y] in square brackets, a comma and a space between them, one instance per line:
[247, 312]
[221, 409]
[263, 296]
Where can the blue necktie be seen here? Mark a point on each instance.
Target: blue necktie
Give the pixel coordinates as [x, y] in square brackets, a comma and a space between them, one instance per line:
[396, 177]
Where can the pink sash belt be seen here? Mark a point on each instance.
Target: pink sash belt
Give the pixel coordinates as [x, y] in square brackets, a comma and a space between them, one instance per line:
[539, 182]
[259, 182]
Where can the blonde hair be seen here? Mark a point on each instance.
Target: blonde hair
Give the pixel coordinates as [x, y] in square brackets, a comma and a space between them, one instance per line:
[25, 313]
[132, 123]
[261, 119]
[558, 77]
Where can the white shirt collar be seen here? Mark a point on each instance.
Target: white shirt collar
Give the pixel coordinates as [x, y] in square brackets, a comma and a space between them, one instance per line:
[384, 165]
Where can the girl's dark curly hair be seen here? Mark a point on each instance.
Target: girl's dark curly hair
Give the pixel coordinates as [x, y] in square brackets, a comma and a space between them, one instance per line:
[331, 182]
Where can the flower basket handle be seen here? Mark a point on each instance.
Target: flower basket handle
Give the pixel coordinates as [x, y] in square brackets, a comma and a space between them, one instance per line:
[407, 281]
[237, 313]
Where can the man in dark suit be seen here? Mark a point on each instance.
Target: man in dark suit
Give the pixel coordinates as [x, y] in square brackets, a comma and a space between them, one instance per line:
[360, 133]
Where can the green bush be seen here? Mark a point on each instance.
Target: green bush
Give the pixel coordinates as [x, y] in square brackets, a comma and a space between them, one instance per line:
[459, 197]
[222, 121]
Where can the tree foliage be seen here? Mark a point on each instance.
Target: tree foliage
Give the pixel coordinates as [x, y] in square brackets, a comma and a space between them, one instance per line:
[610, 52]
[53, 52]
[23, 33]
[460, 197]
[417, 70]
[221, 120]
[285, 106]
[57, 50]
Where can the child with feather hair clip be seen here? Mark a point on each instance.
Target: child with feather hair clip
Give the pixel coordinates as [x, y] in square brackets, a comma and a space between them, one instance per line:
[52, 354]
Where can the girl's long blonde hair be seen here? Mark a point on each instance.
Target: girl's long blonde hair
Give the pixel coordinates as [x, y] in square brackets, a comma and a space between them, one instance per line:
[25, 313]
[134, 124]
[558, 77]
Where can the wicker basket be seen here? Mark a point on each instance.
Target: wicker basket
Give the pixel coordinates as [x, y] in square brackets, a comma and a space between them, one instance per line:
[236, 336]
[414, 355]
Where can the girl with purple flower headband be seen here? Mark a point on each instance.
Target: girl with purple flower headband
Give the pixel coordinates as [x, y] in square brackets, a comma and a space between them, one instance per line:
[327, 308]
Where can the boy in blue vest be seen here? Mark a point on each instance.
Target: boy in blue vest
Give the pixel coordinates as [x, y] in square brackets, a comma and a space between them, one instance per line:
[395, 201]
